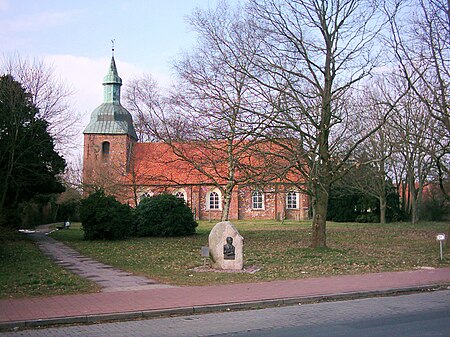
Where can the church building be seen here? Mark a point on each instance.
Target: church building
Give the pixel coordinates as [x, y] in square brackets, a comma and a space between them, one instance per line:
[130, 170]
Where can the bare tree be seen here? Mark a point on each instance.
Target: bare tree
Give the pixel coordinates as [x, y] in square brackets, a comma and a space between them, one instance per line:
[49, 94]
[143, 99]
[420, 37]
[414, 139]
[420, 41]
[313, 54]
[207, 119]
[423, 51]
[372, 160]
[73, 174]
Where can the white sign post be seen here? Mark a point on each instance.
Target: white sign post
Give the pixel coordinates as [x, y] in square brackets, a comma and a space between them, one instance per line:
[441, 238]
[205, 254]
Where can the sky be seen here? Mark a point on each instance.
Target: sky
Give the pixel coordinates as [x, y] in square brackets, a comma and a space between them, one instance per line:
[74, 36]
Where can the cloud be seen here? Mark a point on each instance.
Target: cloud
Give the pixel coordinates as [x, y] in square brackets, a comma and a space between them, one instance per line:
[36, 21]
[20, 31]
[4, 5]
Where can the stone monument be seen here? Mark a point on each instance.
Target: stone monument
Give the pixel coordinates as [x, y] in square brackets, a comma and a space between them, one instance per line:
[226, 247]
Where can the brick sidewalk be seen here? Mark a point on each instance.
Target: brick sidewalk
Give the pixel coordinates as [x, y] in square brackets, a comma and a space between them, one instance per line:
[186, 300]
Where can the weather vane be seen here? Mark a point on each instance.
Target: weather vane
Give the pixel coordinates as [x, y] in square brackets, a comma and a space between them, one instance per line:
[112, 45]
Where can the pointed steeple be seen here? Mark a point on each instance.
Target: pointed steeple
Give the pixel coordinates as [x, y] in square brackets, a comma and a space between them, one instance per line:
[111, 117]
[112, 83]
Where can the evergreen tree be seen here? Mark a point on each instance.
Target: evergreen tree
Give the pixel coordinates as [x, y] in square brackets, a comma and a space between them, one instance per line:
[28, 161]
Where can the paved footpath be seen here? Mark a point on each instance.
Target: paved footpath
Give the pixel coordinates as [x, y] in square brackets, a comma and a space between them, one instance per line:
[108, 278]
[85, 308]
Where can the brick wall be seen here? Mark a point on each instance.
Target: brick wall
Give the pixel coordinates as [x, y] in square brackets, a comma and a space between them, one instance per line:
[105, 170]
[241, 203]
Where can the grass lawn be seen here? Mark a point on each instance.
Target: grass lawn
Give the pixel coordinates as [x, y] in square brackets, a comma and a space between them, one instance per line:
[281, 251]
[24, 271]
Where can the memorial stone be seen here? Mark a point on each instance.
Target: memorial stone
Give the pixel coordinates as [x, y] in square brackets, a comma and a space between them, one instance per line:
[226, 247]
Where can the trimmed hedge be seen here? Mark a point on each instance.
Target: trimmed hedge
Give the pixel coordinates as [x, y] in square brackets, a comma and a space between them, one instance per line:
[164, 215]
[104, 218]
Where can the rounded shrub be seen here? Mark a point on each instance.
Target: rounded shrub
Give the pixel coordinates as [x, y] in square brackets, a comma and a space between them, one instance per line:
[104, 218]
[164, 215]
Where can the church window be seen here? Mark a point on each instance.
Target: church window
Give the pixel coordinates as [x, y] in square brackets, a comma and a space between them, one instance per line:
[105, 148]
[181, 194]
[145, 195]
[292, 200]
[214, 200]
[257, 200]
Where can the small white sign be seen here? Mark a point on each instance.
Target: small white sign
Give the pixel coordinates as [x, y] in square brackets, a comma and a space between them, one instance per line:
[205, 251]
[440, 237]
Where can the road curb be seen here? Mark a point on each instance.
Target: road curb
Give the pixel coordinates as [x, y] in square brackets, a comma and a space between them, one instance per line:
[247, 305]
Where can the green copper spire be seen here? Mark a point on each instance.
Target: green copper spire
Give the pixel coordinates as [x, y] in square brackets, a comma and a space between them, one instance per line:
[111, 117]
[112, 83]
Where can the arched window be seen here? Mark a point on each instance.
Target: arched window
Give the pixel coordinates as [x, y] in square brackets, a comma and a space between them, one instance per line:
[257, 200]
[292, 200]
[145, 195]
[181, 193]
[105, 148]
[214, 200]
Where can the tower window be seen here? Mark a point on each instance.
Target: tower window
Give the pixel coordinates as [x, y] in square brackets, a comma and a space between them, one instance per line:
[105, 148]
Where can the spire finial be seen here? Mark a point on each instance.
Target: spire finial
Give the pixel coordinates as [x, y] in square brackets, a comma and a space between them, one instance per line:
[112, 46]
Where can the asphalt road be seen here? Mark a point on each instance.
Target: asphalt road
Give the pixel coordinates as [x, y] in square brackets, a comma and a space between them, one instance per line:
[430, 323]
[423, 314]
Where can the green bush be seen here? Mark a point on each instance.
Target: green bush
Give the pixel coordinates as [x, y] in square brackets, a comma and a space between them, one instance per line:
[350, 205]
[68, 211]
[104, 218]
[164, 215]
[434, 206]
[367, 218]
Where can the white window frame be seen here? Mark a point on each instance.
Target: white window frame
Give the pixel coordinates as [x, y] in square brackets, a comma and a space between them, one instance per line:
[219, 201]
[145, 195]
[183, 192]
[260, 195]
[289, 203]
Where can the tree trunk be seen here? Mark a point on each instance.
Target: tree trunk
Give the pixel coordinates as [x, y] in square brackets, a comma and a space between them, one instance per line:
[383, 196]
[7, 179]
[226, 208]
[227, 201]
[412, 193]
[319, 239]
[405, 208]
[419, 200]
[414, 214]
[323, 175]
[135, 196]
[383, 210]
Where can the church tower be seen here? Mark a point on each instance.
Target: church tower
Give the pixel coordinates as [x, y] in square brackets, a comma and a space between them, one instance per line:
[108, 139]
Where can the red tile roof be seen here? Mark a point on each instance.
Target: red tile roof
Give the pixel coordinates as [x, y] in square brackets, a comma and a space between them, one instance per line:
[157, 163]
